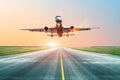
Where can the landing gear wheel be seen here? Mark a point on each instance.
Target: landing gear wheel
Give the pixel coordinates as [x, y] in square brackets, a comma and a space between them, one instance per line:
[52, 35]
[67, 35]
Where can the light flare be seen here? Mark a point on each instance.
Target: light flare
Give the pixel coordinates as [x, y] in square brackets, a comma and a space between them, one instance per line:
[52, 44]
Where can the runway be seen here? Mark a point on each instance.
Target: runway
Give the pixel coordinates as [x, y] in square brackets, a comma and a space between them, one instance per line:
[60, 64]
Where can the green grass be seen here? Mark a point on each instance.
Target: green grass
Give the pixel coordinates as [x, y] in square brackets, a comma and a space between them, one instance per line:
[104, 50]
[8, 50]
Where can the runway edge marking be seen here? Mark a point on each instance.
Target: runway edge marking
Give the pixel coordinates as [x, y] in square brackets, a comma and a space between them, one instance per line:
[62, 67]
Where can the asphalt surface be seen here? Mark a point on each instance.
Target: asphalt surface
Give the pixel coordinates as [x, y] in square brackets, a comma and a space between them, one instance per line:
[60, 64]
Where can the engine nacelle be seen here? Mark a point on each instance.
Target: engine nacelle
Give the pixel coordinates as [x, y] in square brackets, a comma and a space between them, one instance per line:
[72, 29]
[46, 29]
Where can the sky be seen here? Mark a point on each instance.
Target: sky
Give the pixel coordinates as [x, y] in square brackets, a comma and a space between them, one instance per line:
[19, 14]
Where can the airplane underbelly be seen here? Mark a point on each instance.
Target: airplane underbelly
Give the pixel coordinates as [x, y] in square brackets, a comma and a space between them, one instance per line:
[60, 32]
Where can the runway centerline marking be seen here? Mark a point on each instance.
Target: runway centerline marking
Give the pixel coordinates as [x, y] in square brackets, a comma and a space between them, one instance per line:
[62, 67]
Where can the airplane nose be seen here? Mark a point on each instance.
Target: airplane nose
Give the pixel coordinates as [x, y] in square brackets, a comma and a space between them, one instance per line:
[58, 18]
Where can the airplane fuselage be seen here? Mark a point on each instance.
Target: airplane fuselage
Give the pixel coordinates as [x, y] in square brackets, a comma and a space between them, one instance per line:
[59, 27]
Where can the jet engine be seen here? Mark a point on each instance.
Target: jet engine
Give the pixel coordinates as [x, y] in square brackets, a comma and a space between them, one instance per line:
[72, 28]
[46, 29]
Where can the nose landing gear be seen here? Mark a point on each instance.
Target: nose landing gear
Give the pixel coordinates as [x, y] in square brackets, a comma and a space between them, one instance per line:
[52, 35]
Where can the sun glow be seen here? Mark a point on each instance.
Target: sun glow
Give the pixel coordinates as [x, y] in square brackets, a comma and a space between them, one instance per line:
[52, 44]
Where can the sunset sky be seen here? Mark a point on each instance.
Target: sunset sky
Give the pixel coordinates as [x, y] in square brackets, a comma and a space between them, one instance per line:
[19, 14]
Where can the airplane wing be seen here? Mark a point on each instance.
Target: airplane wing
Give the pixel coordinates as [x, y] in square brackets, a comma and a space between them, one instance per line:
[85, 29]
[72, 29]
[40, 29]
[82, 29]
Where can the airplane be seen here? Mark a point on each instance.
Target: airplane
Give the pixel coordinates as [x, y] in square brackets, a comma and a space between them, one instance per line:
[59, 30]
